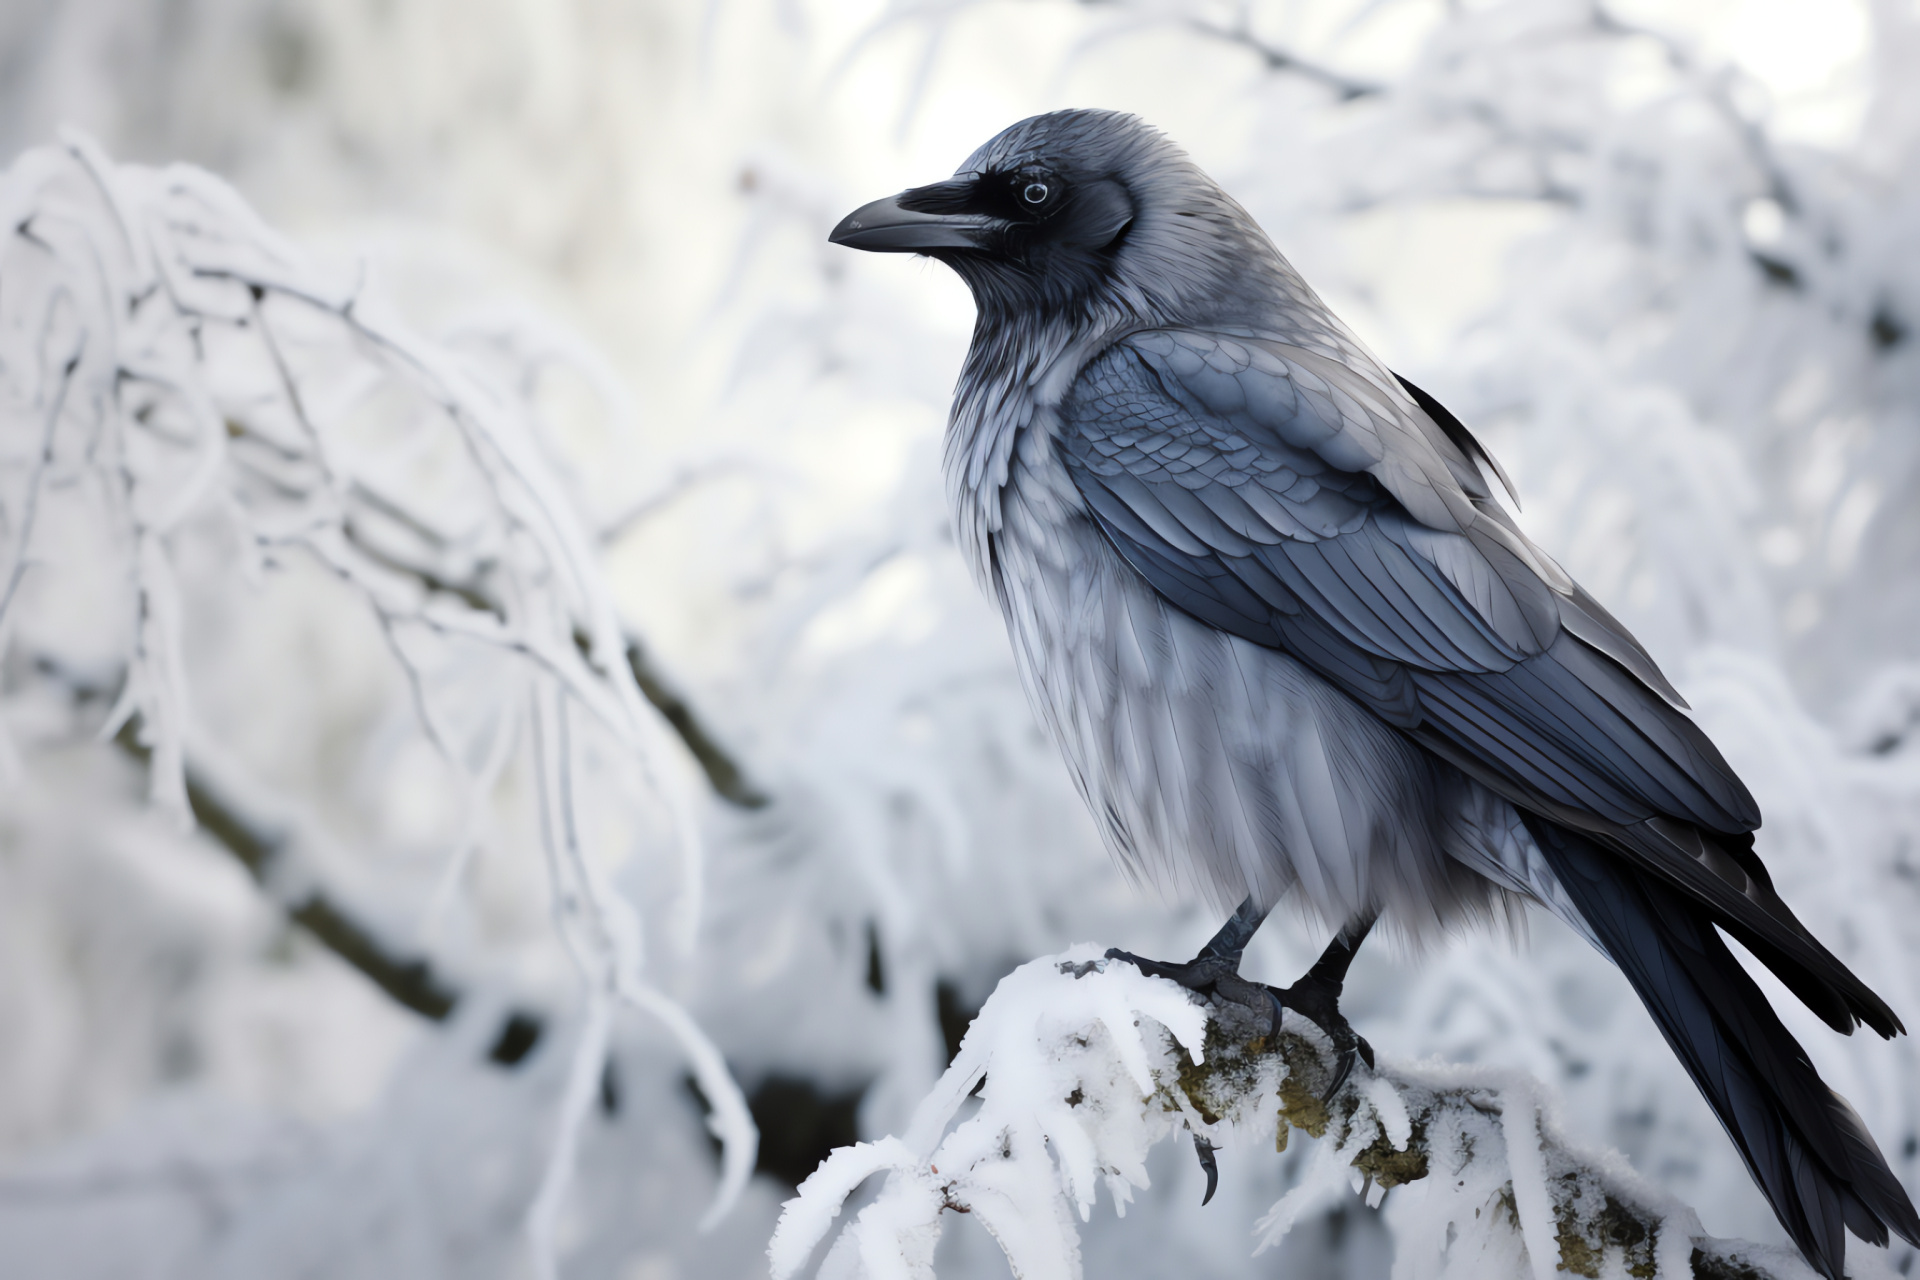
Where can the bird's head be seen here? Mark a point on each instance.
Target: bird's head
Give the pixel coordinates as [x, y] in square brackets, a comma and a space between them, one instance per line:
[1073, 211]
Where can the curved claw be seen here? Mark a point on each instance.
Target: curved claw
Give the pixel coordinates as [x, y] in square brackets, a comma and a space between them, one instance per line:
[1204, 1149]
[1343, 1069]
[1314, 1002]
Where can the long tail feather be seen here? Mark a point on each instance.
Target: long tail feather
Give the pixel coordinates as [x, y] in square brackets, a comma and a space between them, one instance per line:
[1805, 1147]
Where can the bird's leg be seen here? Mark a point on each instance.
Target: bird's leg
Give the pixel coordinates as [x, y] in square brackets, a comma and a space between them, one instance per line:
[1216, 969]
[1316, 997]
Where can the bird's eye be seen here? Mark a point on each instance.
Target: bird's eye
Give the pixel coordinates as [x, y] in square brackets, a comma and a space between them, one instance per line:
[1035, 193]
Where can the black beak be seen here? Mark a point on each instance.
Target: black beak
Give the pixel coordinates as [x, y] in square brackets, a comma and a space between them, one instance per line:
[916, 221]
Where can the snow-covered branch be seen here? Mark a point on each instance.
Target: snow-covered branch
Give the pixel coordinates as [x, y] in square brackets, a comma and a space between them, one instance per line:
[1082, 1064]
[271, 851]
[187, 401]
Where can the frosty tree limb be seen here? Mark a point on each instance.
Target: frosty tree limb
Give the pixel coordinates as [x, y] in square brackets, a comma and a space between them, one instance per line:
[1713, 86]
[1282, 60]
[724, 773]
[169, 367]
[1083, 1064]
[270, 848]
[1275, 58]
[262, 847]
[1239, 32]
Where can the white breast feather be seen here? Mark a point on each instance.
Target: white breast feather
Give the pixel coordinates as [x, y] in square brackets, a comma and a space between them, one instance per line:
[1209, 763]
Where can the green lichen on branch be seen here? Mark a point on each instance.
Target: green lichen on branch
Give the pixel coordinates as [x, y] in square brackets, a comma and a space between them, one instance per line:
[1243, 1059]
[1449, 1123]
[1307, 1076]
[1588, 1232]
[1235, 1068]
[1389, 1166]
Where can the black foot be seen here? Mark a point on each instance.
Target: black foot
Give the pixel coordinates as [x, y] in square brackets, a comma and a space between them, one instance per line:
[1210, 975]
[1317, 999]
[1204, 1149]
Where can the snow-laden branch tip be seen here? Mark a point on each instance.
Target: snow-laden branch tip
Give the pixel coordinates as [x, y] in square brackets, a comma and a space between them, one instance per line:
[171, 368]
[1084, 1064]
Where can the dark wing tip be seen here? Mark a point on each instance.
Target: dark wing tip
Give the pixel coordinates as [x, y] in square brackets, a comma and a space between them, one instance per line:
[1462, 438]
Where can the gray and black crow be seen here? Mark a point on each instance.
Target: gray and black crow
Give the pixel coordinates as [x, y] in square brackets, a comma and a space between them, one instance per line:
[1289, 642]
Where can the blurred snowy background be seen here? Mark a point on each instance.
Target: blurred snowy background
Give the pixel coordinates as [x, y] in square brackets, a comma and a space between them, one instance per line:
[562, 415]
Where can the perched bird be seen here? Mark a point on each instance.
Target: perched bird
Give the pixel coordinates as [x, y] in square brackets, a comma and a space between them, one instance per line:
[1266, 603]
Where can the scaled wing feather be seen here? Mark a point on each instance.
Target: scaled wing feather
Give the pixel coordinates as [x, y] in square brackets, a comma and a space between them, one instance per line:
[1288, 499]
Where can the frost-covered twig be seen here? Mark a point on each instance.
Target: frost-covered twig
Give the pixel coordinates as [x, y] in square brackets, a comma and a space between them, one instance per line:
[1281, 60]
[277, 850]
[1715, 87]
[173, 374]
[1083, 1064]
[1239, 31]
[272, 853]
[724, 772]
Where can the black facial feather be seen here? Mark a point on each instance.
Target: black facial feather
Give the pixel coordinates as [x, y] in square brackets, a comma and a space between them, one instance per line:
[1053, 240]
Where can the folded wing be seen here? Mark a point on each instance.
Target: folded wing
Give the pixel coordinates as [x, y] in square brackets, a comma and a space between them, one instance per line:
[1297, 503]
